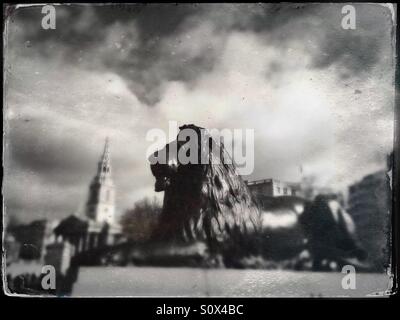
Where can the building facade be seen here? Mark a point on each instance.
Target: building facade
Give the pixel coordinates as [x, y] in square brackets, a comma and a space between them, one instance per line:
[97, 227]
[369, 204]
[273, 188]
[33, 238]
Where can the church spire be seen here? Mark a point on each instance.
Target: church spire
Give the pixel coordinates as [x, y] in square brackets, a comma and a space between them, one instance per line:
[106, 152]
[104, 166]
[100, 205]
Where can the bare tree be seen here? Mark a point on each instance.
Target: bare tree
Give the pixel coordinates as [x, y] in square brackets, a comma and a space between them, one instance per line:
[139, 222]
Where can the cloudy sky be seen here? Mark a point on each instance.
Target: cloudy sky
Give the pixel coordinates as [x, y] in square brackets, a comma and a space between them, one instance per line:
[316, 95]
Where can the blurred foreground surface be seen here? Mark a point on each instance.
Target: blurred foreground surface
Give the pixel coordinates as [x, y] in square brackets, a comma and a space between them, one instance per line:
[146, 281]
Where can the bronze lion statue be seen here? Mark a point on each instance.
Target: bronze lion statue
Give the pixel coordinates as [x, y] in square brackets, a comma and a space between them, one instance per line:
[207, 201]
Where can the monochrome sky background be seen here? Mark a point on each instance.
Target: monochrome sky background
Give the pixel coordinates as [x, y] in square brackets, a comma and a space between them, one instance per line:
[317, 96]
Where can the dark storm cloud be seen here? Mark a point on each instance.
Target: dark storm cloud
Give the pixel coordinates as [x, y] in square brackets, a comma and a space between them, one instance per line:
[356, 51]
[30, 197]
[150, 62]
[143, 31]
[30, 147]
[81, 28]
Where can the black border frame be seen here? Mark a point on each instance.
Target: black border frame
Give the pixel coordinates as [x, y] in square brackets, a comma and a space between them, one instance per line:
[144, 308]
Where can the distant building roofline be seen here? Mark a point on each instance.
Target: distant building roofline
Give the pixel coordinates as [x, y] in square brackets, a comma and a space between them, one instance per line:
[261, 181]
[249, 183]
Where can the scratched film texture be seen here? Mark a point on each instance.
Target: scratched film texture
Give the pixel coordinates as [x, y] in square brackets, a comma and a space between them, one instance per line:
[319, 97]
